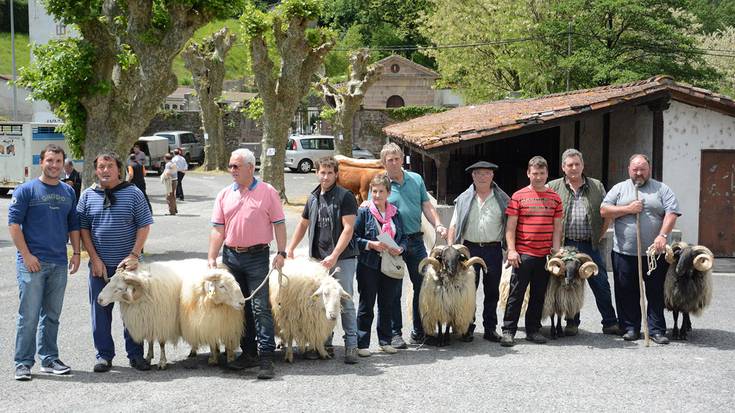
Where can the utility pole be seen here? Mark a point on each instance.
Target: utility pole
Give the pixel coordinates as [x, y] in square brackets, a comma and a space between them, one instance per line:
[12, 52]
[569, 51]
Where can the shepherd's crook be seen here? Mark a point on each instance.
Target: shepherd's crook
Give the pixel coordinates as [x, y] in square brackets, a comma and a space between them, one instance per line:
[641, 284]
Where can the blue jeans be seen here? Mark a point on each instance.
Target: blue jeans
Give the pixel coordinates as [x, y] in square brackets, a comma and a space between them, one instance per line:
[250, 269]
[346, 278]
[628, 293]
[102, 323]
[41, 298]
[415, 252]
[371, 283]
[598, 284]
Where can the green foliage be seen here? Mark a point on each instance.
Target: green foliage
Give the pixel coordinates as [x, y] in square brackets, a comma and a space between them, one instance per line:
[253, 109]
[254, 22]
[409, 112]
[337, 61]
[328, 114]
[62, 74]
[22, 52]
[126, 57]
[309, 9]
[725, 65]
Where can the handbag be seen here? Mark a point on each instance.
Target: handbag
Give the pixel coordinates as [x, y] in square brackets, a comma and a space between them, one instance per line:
[392, 266]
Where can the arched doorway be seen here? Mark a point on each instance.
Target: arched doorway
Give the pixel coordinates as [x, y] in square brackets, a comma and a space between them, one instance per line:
[394, 101]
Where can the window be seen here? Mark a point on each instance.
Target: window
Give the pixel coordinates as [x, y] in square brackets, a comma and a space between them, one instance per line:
[395, 68]
[394, 101]
[188, 138]
[171, 140]
[308, 144]
[326, 144]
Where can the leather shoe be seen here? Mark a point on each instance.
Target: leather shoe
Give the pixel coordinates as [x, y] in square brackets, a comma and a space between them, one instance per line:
[536, 338]
[140, 364]
[244, 361]
[659, 338]
[631, 335]
[507, 340]
[612, 329]
[102, 366]
[571, 330]
[492, 336]
[467, 337]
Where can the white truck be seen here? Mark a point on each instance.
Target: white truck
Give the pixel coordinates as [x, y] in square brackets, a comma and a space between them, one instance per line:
[154, 147]
[20, 151]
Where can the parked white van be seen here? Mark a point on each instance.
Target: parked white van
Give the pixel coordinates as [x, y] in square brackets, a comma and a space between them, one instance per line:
[193, 150]
[302, 151]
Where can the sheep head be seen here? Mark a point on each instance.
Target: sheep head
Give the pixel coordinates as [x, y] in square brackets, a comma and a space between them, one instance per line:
[331, 294]
[125, 286]
[690, 259]
[571, 263]
[220, 287]
[673, 251]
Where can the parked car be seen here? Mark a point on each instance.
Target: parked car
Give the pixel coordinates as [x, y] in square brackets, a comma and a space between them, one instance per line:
[302, 151]
[193, 149]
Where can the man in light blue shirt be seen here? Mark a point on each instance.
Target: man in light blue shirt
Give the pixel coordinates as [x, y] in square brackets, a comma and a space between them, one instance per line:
[658, 209]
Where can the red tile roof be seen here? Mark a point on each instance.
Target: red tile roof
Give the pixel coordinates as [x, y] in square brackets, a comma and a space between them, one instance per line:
[455, 126]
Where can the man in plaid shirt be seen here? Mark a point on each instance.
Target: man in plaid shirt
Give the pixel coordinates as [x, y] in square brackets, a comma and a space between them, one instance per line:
[585, 229]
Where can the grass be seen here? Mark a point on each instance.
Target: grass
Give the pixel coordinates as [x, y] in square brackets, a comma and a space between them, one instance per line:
[22, 53]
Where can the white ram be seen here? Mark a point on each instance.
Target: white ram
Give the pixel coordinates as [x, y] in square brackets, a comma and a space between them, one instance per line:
[306, 302]
[149, 303]
[448, 291]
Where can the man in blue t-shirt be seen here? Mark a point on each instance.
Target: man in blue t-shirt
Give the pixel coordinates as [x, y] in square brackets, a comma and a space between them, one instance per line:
[115, 222]
[42, 217]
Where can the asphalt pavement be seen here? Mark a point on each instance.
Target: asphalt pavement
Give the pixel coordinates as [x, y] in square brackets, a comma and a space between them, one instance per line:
[588, 372]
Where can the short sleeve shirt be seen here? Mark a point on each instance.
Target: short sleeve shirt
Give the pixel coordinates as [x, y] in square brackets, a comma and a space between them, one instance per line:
[409, 197]
[658, 200]
[536, 213]
[324, 239]
[248, 215]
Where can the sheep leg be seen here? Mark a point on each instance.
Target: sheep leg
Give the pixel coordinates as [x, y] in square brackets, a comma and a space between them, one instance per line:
[559, 328]
[230, 354]
[322, 351]
[675, 331]
[552, 329]
[149, 355]
[213, 354]
[686, 326]
[447, 338]
[162, 358]
[289, 349]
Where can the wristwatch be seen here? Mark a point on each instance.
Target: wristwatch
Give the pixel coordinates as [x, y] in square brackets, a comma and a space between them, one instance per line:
[666, 236]
[282, 253]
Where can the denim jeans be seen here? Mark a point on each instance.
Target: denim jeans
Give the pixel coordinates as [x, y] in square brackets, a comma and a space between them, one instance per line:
[102, 323]
[415, 252]
[250, 269]
[598, 284]
[371, 283]
[531, 271]
[41, 298]
[493, 257]
[628, 293]
[346, 278]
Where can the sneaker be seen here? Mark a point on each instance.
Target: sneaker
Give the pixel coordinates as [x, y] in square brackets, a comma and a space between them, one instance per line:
[244, 361]
[266, 370]
[613, 330]
[311, 355]
[417, 338]
[631, 335]
[351, 355]
[22, 372]
[397, 342]
[507, 340]
[140, 364]
[536, 337]
[571, 330]
[56, 367]
[388, 349]
[102, 366]
[363, 352]
[659, 338]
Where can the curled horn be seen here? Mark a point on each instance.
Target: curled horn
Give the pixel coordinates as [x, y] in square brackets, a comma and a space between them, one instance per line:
[478, 261]
[704, 259]
[669, 254]
[436, 251]
[588, 269]
[462, 249]
[430, 261]
[583, 258]
[554, 266]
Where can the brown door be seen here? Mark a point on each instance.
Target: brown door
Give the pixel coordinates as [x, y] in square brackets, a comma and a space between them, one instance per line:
[717, 202]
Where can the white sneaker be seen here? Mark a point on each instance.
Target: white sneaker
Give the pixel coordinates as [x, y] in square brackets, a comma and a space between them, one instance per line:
[389, 349]
[363, 352]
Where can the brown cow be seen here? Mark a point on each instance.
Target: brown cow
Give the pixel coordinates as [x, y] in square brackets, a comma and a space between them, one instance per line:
[356, 174]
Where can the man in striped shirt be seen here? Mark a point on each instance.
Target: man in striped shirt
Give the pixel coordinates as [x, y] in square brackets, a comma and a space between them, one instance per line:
[115, 222]
[533, 231]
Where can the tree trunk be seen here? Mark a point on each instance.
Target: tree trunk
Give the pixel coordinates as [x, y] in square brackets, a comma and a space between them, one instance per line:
[273, 156]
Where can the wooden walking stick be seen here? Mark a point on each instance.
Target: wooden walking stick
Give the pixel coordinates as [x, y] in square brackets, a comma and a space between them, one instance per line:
[641, 284]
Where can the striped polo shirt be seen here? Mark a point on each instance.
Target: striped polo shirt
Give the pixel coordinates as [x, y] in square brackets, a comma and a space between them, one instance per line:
[536, 212]
[113, 229]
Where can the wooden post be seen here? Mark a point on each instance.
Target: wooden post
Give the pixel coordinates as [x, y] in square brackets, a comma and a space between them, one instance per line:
[657, 149]
[442, 164]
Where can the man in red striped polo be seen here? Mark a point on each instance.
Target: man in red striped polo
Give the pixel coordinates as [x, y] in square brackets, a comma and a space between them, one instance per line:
[533, 231]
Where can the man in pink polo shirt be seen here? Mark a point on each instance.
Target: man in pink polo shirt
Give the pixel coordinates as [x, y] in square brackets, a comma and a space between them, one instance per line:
[245, 217]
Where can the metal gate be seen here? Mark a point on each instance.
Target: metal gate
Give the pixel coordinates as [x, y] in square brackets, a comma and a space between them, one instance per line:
[717, 202]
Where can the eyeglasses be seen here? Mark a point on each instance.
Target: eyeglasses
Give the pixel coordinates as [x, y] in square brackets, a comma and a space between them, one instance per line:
[233, 166]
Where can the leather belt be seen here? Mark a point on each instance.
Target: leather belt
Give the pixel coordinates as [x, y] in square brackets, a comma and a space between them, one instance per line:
[481, 244]
[415, 235]
[252, 248]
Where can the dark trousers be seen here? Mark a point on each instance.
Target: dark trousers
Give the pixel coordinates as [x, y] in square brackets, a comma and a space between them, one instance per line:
[250, 269]
[415, 252]
[492, 254]
[171, 199]
[628, 293]
[531, 271]
[598, 284]
[371, 283]
[180, 189]
[102, 323]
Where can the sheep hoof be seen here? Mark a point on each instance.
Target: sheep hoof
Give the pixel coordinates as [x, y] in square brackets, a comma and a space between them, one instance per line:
[162, 365]
[213, 361]
[192, 354]
[288, 358]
